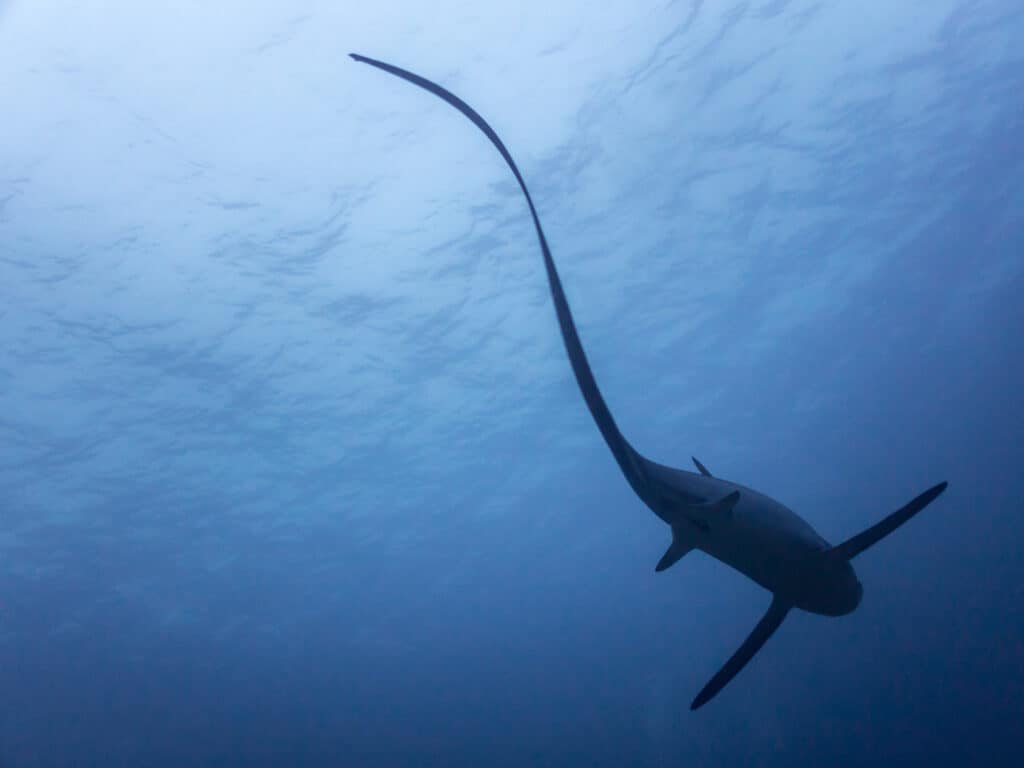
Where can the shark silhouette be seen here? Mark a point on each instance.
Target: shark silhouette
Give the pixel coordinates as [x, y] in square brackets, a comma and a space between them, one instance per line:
[741, 527]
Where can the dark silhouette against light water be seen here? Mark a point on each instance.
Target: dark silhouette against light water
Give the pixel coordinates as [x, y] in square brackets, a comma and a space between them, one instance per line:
[753, 533]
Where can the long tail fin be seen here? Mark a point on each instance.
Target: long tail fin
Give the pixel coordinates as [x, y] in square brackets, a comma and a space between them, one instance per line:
[854, 546]
[628, 459]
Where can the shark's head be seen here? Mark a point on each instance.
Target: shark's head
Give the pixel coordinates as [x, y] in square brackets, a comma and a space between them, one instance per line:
[841, 592]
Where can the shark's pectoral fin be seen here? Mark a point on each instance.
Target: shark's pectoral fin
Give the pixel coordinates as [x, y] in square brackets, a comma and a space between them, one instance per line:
[703, 470]
[675, 551]
[854, 546]
[765, 628]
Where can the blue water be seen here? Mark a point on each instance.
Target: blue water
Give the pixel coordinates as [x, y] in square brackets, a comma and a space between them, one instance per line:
[293, 470]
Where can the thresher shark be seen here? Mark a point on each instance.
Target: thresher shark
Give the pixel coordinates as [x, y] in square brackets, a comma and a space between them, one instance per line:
[745, 529]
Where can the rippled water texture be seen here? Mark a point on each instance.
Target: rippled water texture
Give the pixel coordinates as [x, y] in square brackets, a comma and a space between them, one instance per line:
[293, 470]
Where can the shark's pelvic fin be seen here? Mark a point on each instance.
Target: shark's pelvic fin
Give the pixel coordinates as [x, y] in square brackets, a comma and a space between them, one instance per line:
[703, 470]
[716, 509]
[629, 461]
[674, 553]
[765, 628]
[854, 546]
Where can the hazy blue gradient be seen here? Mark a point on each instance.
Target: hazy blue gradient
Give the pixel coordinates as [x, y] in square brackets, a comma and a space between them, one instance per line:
[293, 470]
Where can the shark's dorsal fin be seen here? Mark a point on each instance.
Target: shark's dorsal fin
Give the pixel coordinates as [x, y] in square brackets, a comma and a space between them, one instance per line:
[703, 470]
[627, 458]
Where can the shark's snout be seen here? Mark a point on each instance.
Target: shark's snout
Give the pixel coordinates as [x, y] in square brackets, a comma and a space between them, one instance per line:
[835, 592]
[857, 596]
[848, 594]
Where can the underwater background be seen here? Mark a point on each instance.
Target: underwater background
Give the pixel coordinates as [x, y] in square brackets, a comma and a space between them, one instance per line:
[293, 469]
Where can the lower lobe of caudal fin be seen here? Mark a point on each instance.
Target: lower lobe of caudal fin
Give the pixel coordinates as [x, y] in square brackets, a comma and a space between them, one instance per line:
[854, 546]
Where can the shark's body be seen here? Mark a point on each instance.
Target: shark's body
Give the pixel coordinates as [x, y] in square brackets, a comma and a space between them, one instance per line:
[745, 529]
[758, 536]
